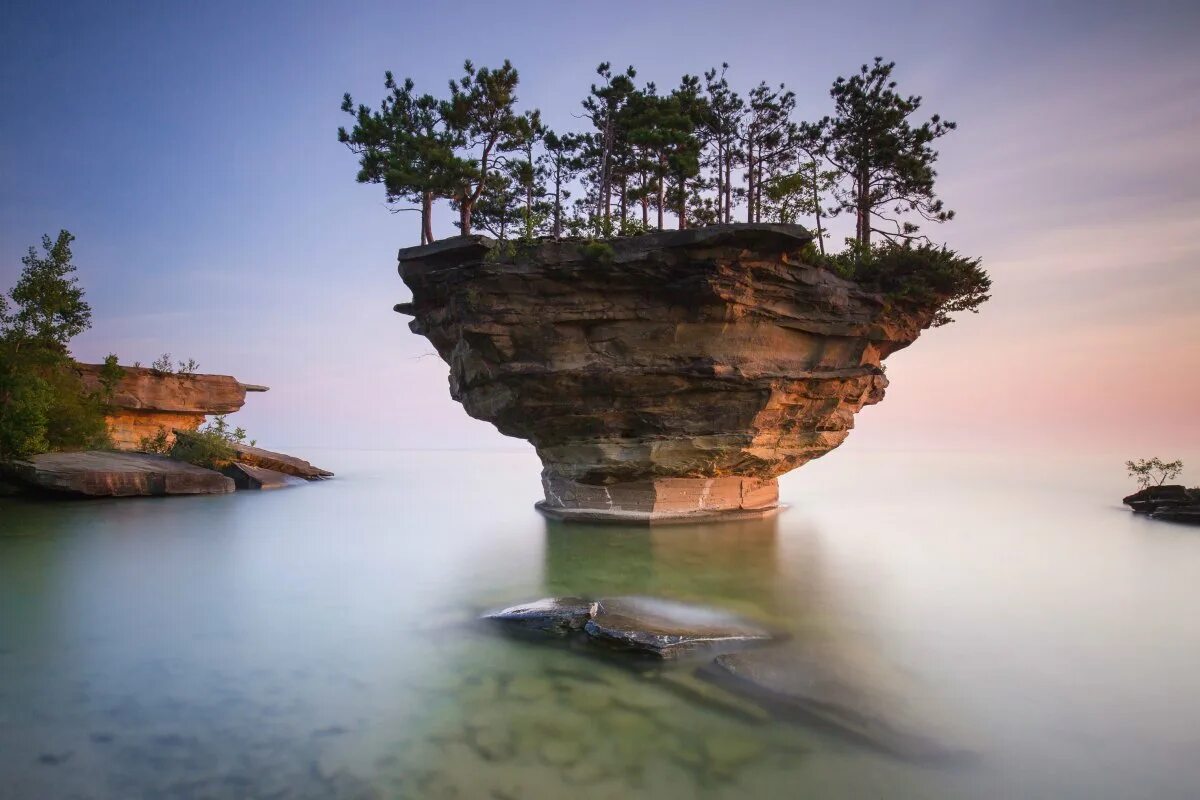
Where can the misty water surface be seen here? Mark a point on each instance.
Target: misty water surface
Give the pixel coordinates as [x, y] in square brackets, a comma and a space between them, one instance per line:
[320, 641]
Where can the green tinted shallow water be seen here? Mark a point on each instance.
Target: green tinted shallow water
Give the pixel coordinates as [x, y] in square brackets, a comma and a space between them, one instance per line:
[319, 641]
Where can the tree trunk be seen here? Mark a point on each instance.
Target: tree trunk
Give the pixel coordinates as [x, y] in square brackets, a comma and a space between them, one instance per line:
[729, 185]
[464, 217]
[816, 206]
[720, 180]
[864, 210]
[750, 181]
[557, 206]
[624, 192]
[427, 218]
[662, 199]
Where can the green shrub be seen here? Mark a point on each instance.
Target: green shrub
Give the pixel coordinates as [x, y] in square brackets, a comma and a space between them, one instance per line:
[158, 443]
[918, 276]
[212, 446]
[597, 252]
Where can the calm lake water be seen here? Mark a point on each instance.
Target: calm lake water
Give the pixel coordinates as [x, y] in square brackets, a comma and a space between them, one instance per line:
[319, 641]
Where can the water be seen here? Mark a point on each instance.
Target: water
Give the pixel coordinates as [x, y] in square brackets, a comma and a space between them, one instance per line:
[320, 641]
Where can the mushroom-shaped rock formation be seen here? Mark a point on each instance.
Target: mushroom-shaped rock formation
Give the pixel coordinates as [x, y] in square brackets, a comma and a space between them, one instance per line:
[662, 378]
[145, 401]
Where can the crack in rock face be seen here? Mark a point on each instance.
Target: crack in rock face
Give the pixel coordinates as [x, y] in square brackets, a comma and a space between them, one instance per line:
[674, 377]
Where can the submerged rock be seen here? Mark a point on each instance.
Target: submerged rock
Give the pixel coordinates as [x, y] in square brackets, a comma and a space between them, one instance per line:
[558, 615]
[105, 473]
[648, 625]
[669, 629]
[662, 378]
[810, 685]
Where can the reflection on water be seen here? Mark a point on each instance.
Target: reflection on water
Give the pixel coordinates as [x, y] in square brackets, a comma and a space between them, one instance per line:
[322, 641]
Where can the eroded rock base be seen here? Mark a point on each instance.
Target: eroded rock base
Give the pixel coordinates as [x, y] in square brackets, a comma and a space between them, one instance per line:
[661, 501]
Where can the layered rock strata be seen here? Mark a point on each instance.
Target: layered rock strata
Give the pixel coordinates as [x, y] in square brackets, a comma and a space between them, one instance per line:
[661, 378]
[146, 401]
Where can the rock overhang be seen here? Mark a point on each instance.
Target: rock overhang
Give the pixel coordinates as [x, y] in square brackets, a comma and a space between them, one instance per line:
[640, 364]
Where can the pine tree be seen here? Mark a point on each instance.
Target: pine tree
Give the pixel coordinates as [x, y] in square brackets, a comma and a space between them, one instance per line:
[769, 138]
[885, 160]
[722, 133]
[404, 146]
[481, 118]
[602, 107]
[561, 164]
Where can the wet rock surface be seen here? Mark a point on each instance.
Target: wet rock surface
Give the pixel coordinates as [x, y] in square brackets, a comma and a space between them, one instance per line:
[665, 629]
[558, 615]
[104, 473]
[669, 629]
[1171, 503]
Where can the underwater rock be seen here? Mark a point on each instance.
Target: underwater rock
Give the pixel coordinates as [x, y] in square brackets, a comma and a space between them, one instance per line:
[812, 686]
[647, 625]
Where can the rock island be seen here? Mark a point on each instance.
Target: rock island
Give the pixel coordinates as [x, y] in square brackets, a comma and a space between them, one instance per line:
[666, 377]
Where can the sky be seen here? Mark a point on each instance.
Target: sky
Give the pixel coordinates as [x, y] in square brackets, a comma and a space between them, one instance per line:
[191, 148]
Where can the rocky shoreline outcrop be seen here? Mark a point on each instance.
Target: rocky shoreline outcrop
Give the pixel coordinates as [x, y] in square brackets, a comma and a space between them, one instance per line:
[149, 403]
[1170, 503]
[145, 401]
[115, 473]
[664, 377]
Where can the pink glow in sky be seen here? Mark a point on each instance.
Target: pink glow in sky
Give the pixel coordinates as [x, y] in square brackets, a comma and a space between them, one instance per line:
[217, 217]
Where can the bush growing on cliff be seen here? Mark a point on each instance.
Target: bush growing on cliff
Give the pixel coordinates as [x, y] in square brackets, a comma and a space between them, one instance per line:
[43, 403]
[160, 443]
[921, 276]
[212, 447]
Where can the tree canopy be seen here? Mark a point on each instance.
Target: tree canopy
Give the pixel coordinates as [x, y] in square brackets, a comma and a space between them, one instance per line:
[43, 404]
[697, 153]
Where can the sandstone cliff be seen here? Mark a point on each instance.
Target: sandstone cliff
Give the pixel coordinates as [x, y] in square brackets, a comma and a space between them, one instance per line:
[660, 377]
[146, 400]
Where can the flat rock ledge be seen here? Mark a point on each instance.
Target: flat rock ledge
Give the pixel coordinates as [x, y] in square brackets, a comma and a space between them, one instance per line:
[278, 462]
[652, 626]
[119, 473]
[246, 476]
[105, 473]
[1171, 503]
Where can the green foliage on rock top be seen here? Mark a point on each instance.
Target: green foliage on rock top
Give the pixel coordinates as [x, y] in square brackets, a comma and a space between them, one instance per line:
[43, 403]
[212, 447]
[914, 275]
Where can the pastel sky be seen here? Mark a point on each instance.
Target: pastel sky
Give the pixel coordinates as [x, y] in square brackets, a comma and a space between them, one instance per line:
[191, 148]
